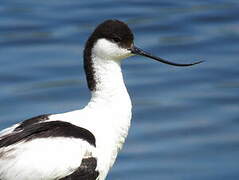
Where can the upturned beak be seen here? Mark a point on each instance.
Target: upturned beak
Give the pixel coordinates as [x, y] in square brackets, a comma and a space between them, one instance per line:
[138, 51]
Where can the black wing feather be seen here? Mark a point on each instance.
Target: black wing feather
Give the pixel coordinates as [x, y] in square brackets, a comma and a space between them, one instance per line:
[46, 130]
[31, 121]
[86, 171]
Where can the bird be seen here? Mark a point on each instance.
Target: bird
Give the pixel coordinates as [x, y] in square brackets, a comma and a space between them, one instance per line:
[81, 144]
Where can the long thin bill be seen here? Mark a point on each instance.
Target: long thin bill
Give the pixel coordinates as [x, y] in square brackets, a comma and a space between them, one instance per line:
[139, 51]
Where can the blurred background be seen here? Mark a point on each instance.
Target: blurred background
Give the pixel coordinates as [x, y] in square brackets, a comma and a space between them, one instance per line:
[185, 120]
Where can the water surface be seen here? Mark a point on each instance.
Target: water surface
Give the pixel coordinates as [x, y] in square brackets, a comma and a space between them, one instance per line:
[185, 120]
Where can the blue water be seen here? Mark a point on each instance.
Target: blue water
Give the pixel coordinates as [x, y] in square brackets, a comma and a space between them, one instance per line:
[185, 120]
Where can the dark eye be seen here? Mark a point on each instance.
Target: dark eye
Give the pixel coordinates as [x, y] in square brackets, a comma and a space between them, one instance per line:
[116, 39]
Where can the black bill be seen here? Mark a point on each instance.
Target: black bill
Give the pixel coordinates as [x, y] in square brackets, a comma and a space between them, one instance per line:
[139, 51]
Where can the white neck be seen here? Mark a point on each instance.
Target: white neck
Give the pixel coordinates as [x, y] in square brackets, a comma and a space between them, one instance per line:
[110, 94]
[110, 87]
[112, 100]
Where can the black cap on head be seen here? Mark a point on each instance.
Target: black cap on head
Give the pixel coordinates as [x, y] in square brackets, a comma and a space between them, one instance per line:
[115, 31]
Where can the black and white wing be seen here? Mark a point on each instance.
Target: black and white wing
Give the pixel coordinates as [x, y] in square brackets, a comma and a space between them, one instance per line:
[51, 150]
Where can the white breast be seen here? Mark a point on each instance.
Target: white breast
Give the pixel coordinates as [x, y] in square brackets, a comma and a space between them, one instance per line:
[109, 122]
